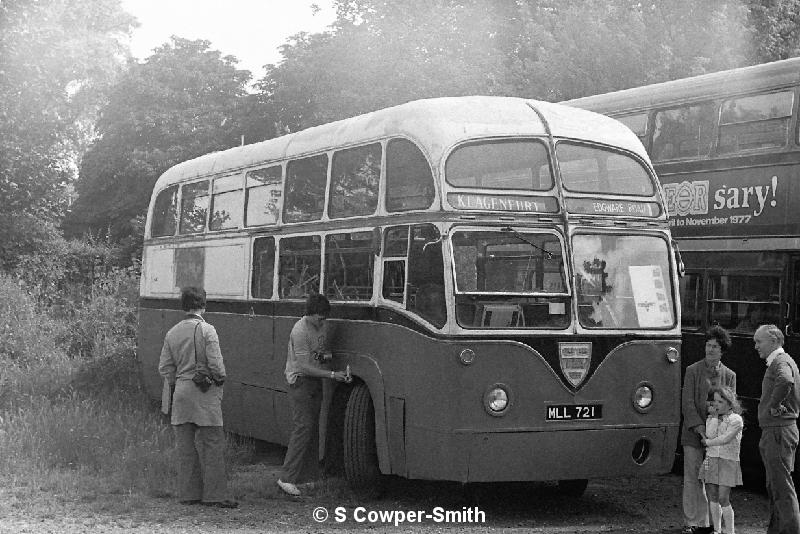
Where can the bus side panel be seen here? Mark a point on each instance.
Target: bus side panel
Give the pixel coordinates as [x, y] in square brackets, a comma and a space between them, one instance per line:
[255, 372]
[153, 326]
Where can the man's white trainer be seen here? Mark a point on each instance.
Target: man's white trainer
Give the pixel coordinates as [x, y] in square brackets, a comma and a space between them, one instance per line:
[288, 487]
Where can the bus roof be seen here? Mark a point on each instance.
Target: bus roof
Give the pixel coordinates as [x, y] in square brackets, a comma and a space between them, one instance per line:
[718, 84]
[435, 124]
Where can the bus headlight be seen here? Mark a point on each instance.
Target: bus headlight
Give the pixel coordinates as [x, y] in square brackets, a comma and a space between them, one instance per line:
[643, 398]
[496, 401]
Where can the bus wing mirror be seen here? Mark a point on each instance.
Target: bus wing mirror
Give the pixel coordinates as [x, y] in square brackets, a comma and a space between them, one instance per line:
[376, 241]
[678, 259]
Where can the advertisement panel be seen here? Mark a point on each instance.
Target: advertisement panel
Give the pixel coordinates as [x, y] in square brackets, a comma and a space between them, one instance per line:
[734, 202]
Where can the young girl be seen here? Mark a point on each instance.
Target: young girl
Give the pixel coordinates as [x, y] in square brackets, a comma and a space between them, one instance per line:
[720, 470]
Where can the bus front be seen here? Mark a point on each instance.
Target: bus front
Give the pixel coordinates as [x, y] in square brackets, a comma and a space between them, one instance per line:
[564, 297]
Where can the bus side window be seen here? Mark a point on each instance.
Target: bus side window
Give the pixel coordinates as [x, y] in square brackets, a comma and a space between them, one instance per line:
[194, 207]
[690, 300]
[165, 213]
[638, 125]
[756, 121]
[683, 132]
[794, 298]
[355, 175]
[263, 267]
[395, 252]
[263, 196]
[394, 280]
[743, 303]
[305, 189]
[409, 182]
[426, 275]
[299, 267]
[226, 203]
[349, 266]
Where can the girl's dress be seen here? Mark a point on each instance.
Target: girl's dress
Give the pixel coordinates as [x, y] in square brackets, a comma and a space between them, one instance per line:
[724, 439]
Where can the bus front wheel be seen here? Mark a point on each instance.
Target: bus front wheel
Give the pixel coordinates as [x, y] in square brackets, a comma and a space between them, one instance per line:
[360, 454]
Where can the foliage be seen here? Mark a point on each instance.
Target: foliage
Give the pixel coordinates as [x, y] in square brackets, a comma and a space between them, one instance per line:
[381, 53]
[56, 60]
[184, 101]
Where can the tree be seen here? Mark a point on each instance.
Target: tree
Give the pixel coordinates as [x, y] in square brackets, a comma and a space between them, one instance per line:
[183, 101]
[56, 59]
[776, 25]
[383, 53]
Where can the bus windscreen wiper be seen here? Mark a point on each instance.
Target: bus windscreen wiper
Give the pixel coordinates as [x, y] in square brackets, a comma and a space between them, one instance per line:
[548, 254]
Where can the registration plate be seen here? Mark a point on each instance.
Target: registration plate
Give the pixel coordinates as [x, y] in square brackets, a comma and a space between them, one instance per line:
[574, 412]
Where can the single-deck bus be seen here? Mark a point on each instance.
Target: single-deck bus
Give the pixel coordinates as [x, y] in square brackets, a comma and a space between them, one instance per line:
[502, 278]
[725, 147]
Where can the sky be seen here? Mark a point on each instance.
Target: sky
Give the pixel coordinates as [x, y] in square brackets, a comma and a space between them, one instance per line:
[251, 30]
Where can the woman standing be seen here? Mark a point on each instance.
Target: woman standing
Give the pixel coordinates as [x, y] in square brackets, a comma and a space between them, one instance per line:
[699, 379]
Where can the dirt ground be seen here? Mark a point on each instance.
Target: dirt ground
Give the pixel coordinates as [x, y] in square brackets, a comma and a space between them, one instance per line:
[628, 505]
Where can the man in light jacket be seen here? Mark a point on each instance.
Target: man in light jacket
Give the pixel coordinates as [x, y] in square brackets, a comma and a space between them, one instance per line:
[190, 346]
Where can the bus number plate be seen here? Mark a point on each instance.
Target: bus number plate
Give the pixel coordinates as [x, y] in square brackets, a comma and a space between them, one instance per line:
[574, 412]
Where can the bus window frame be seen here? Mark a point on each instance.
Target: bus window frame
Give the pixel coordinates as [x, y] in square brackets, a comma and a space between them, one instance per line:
[278, 255]
[790, 137]
[714, 135]
[671, 270]
[648, 168]
[381, 143]
[241, 189]
[246, 198]
[551, 166]
[324, 271]
[188, 183]
[523, 230]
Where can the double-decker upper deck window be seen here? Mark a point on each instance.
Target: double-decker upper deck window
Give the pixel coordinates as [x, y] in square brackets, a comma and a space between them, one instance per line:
[263, 196]
[165, 213]
[226, 203]
[409, 182]
[685, 132]
[518, 164]
[638, 125]
[355, 174]
[299, 268]
[754, 122]
[305, 189]
[194, 207]
[636, 122]
[588, 169]
[349, 266]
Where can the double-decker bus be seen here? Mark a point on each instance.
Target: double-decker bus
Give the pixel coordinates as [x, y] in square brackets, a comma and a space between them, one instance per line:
[725, 148]
[502, 280]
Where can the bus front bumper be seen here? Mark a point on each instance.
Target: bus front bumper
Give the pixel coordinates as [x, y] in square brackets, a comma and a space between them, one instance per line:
[548, 455]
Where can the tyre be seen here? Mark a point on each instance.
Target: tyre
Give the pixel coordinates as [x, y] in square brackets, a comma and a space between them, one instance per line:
[360, 454]
[334, 439]
[572, 488]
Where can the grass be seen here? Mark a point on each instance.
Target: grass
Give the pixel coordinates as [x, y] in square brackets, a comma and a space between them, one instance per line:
[75, 423]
